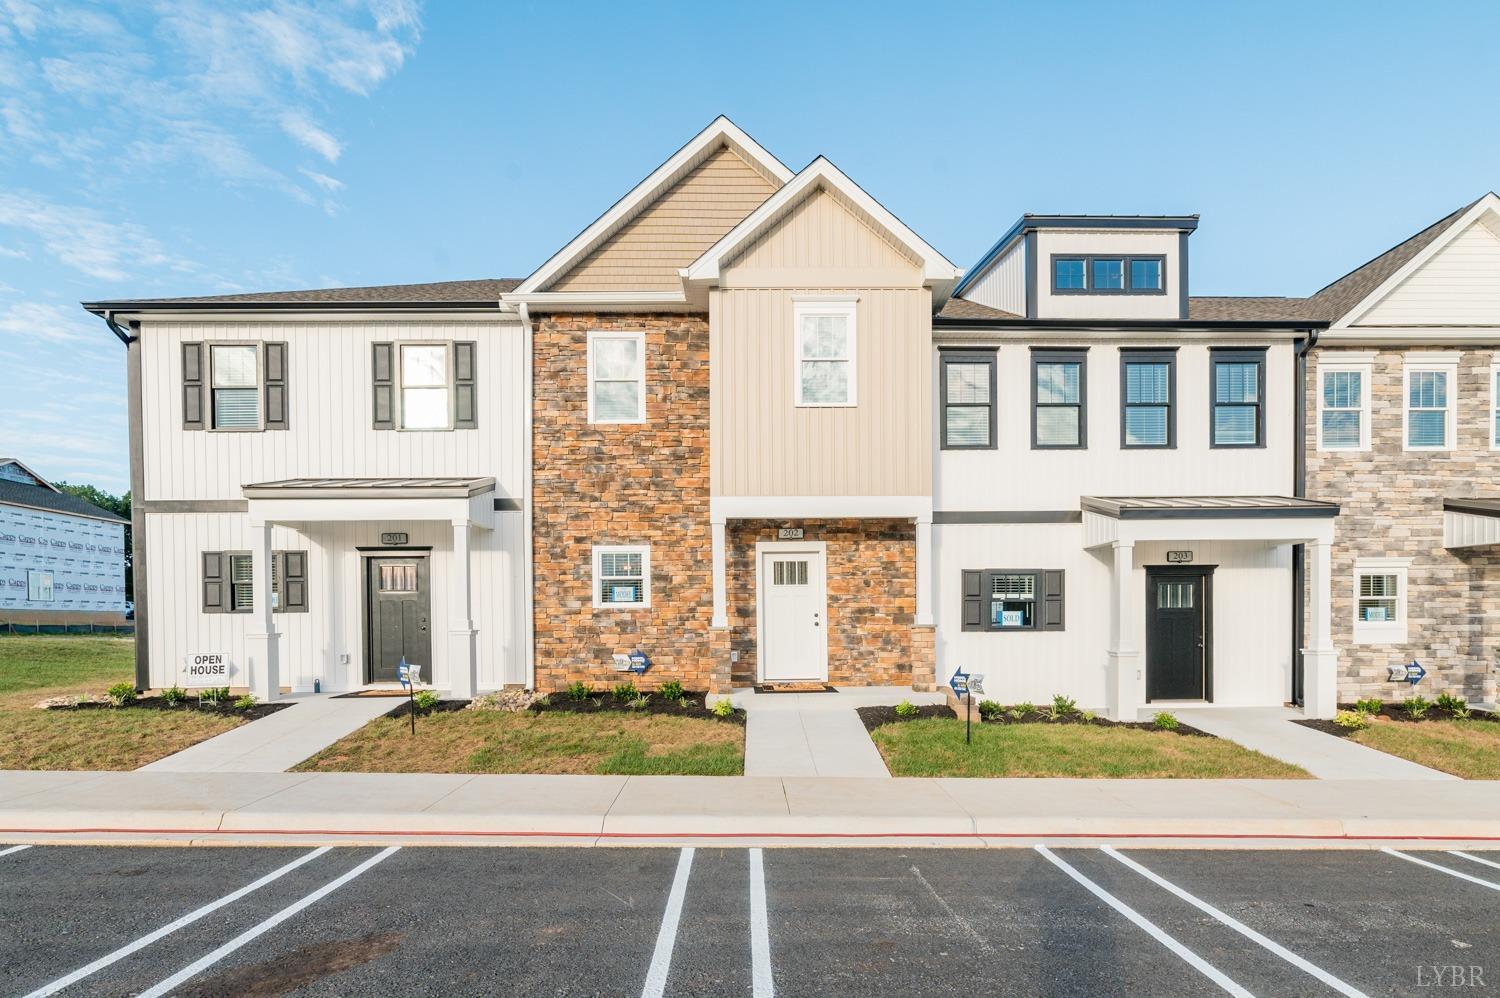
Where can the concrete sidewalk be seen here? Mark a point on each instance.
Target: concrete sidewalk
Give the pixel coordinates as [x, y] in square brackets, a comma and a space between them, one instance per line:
[509, 810]
[816, 734]
[278, 742]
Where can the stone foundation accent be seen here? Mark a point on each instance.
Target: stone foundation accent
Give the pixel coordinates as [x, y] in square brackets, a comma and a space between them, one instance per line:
[924, 659]
[1392, 506]
[719, 678]
[622, 484]
[872, 597]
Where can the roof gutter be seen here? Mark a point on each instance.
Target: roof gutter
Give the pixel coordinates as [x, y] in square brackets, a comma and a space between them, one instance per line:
[114, 327]
[1083, 325]
[107, 308]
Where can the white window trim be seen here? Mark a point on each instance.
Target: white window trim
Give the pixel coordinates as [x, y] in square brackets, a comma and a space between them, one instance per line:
[260, 387]
[1446, 363]
[51, 586]
[1494, 401]
[400, 379]
[1392, 632]
[644, 550]
[1362, 364]
[846, 306]
[611, 334]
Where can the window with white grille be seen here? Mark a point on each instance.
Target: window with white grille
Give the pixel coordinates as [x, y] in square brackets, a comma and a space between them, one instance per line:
[1431, 407]
[1380, 600]
[825, 342]
[622, 576]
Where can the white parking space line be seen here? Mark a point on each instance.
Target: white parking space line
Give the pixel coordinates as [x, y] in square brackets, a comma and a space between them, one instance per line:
[1338, 985]
[1486, 862]
[7, 852]
[171, 927]
[1193, 959]
[666, 938]
[762, 984]
[199, 966]
[1443, 869]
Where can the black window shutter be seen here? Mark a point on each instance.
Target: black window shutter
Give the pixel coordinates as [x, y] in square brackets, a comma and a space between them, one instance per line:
[973, 601]
[192, 386]
[1052, 600]
[293, 571]
[383, 380]
[465, 416]
[275, 357]
[214, 582]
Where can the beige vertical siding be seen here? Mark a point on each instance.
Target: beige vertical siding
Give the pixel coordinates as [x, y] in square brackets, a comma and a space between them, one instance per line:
[822, 242]
[674, 230]
[1459, 286]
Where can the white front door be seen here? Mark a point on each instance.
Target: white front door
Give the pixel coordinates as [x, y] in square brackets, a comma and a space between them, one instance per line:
[793, 616]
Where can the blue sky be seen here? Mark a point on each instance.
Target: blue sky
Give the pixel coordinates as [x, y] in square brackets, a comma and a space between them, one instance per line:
[165, 147]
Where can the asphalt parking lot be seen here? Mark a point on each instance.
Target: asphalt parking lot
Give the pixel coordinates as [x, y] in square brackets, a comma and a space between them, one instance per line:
[710, 921]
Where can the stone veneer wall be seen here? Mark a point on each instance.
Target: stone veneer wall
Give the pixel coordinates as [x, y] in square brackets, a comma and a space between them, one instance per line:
[1392, 506]
[622, 484]
[872, 598]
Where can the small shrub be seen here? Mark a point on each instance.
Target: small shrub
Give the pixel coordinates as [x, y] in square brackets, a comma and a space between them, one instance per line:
[724, 707]
[545, 700]
[990, 709]
[640, 703]
[1165, 722]
[1024, 709]
[1063, 706]
[245, 702]
[213, 694]
[1416, 707]
[579, 690]
[1352, 720]
[1455, 705]
[174, 695]
[425, 700]
[907, 709]
[626, 691]
[1089, 716]
[121, 695]
[684, 702]
[671, 690]
[1368, 706]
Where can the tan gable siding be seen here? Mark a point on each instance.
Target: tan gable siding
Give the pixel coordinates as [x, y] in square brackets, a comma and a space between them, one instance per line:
[674, 230]
[1459, 286]
[822, 241]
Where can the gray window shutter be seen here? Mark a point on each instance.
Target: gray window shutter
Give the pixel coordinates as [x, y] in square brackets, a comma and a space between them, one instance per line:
[1052, 600]
[192, 386]
[383, 378]
[215, 583]
[465, 416]
[973, 619]
[275, 366]
[292, 568]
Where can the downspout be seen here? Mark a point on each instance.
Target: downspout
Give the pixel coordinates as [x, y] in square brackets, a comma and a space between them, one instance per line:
[528, 557]
[133, 395]
[1299, 490]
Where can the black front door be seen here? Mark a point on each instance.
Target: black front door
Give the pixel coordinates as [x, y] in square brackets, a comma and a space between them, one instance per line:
[1179, 646]
[398, 617]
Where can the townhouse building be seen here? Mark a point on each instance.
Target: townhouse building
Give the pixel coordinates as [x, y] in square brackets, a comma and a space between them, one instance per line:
[750, 428]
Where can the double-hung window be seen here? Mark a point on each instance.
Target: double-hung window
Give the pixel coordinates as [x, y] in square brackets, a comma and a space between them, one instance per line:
[1148, 398]
[622, 576]
[1059, 388]
[1430, 402]
[235, 370]
[228, 582]
[39, 587]
[617, 377]
[1380, 600]
[426, 399]
[1008, 599]
[1238, 398]
[825, 344]
[968, 399]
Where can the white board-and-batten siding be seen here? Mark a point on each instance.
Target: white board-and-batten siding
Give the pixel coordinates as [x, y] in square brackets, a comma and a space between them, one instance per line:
[1003, 285]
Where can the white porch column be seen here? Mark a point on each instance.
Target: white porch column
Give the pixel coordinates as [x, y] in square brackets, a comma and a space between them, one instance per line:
[263, 659]
[1319, 659]
[924, 571]
[1123, 678]
[721, 598]
[463, 677]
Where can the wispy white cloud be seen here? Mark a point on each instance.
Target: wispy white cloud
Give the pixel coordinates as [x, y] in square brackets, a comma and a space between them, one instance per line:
[40, 320]
[83, 239]
[306, 131]
[323, 180]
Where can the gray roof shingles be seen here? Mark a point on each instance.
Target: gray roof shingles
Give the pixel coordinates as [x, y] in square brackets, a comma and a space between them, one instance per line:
[441, 292]
[41, 497]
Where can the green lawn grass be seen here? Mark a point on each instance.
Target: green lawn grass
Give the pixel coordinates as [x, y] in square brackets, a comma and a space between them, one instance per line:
[1468, 748]
[935, 747]
[482, 741]
[35, 667]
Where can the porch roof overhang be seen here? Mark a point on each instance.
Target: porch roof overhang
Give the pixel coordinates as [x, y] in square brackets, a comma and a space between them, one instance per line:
[1277, 519]
[457, 500]
[1469, 523]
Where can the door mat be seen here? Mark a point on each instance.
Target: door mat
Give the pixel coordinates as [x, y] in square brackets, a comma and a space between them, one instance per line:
[795, 688]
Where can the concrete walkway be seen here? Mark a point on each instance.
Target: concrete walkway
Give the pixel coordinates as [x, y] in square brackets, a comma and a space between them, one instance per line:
[330, 808]
[1270, 730]
[816, 734]
[276, 743]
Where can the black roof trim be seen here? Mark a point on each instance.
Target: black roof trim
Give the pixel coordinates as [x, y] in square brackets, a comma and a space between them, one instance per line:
[101, 308]
[948, 322]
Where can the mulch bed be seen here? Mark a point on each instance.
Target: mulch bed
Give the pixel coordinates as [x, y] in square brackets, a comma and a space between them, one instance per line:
[403, 708]
[1392, 712]
[225, 708]
[603, 703]
[874, 717]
